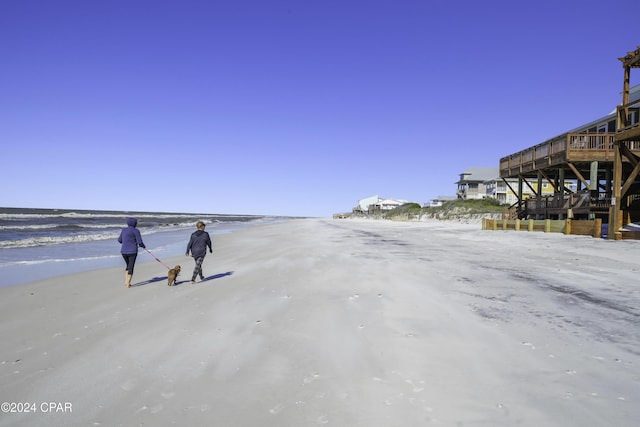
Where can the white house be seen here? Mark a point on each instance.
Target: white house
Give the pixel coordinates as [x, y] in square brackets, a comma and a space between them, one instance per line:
[363, 204]
[439, 201]
[387, 204]
[376, 204]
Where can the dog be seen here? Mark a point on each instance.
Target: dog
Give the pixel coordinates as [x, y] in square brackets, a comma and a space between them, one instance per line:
[173, 275]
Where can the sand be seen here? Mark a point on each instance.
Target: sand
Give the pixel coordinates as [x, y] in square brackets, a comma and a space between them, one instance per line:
[336, 322]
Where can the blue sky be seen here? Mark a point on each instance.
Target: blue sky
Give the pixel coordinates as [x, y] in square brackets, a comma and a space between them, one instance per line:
[289, 107]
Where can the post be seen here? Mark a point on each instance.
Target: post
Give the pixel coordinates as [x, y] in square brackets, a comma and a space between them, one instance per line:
[561, 186]
[597, 232]
[614, 210]
[593, 177]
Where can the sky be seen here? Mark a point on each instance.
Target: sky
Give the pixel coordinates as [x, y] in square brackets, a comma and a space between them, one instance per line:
[296, 108]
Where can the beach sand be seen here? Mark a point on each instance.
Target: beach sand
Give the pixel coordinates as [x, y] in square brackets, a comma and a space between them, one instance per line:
[337, 322]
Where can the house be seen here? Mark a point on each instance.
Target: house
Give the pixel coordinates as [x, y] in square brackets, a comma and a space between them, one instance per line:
[576, 168]
[506, 190]
[363, 204]
[385, 205]
[472, 182]
[376, 204]
[439, 201]
[593, 169]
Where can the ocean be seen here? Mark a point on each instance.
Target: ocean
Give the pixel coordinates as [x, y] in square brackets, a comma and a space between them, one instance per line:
[40, 243]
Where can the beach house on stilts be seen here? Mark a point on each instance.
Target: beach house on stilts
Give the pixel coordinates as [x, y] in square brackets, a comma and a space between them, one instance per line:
[625, 202]
[594, 169]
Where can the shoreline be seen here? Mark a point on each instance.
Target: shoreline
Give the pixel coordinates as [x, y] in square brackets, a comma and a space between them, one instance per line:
[320, 321]
[101, 253]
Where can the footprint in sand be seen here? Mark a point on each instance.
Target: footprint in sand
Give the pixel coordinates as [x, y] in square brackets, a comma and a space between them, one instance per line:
[311, 378]
[127, 386]
[416, 388]
[276, 409]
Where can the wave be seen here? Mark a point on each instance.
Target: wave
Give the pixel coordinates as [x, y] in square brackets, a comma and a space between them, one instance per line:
[57, 260]
[57, 226]
[49, 241]
[88, 237]
[120, 215]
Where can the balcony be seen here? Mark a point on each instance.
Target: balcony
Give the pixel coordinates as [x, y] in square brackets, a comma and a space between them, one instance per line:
[566, 148]
[581, 204]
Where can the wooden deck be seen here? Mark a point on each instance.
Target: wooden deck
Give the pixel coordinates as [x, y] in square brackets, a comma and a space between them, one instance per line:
[593, 172]
[570, 156]
[569, 148]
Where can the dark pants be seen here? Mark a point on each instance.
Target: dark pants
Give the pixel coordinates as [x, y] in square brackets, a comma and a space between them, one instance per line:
[130, 260]
[198, 269]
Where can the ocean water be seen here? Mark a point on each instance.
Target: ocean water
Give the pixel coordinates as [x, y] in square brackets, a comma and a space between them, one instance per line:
[41, 243]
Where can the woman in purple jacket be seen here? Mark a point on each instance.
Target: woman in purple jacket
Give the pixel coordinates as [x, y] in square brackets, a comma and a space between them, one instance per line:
[130, 238]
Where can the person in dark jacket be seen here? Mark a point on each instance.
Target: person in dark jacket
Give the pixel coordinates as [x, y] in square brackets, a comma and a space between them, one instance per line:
[130, 238]
[198, 244]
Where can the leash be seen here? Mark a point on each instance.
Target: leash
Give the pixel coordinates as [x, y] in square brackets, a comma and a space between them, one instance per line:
[156, 258]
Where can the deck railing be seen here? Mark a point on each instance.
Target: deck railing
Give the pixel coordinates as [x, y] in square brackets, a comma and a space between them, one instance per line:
[578, 200]
[559, 150]
[590, 141]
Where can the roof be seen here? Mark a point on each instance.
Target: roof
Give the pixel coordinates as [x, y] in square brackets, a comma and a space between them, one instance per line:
[634, 95]
[391, 202]
[479, 174]
[631, 59]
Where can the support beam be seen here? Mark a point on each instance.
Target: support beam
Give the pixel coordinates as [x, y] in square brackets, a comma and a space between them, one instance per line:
[528, 185]
[614, 210]
[629, 182]
[520, 192]
[549, 180]
[593, 176]
[511, 188]
[629, 154]
[579, 175]
[607, 179]
[539, 183]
